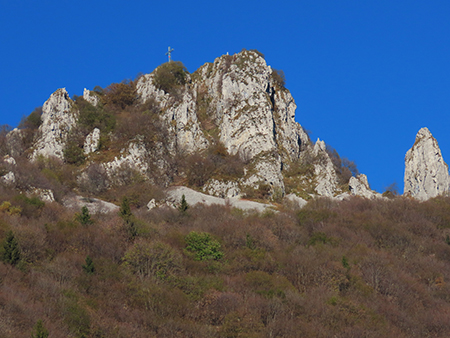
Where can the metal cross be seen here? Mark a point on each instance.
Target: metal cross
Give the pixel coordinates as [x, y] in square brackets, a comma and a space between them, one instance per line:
[169, 53]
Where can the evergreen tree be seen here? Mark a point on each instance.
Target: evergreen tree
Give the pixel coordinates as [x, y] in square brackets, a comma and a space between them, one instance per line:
[127, 216]
[125, 210]
[89, 268]
[85, 217]
[184, 205]
[39, 331]
[11, 248]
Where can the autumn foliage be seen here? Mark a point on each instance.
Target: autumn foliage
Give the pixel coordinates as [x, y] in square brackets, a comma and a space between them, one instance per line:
[354, 268]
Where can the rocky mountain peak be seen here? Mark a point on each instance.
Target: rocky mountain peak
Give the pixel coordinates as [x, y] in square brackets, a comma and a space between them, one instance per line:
[237, 101]
[234, 109]
[426, 173]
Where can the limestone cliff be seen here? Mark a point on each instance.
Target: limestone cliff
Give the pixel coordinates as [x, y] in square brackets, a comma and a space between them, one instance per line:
[237, 102]
[253, 116]
[180, 115]
[57, 120]
[426, 173]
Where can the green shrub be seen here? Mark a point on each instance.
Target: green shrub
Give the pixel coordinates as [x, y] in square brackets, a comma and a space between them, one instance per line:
[125, 210]
[89, 267]
[11, 250]
[170, 76]
[202, 246]
[91, 117]
[257, 52]
[32, 121]
[73, 151]
[39, 331]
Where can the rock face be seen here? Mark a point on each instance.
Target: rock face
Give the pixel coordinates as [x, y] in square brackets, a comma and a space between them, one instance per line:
[95, 206]
[133, 158]
[174, 196]
[180, 117]
[223, 189]
[91, 142]
[237, 101]
[359, 186]
[327, 181]
[426, 173]
[91, 98]
[57, 120]
[254, 115]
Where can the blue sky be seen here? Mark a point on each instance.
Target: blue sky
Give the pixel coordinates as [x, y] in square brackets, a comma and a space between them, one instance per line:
[366, 75]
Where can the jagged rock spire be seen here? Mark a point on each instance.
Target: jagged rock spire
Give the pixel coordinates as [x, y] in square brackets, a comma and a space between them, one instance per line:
[426, 173]
[58, 119]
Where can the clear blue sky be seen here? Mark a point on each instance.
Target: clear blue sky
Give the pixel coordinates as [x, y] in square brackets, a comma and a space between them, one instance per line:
[366, 75]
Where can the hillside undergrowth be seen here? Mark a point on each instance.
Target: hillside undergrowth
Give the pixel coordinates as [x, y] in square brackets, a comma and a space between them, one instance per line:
[355, 268]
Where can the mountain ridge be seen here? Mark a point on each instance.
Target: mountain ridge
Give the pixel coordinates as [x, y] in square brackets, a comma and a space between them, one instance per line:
[234, 110]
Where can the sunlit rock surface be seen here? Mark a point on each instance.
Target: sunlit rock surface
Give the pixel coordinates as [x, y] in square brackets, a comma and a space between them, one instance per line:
[426, 173]
[58, 118]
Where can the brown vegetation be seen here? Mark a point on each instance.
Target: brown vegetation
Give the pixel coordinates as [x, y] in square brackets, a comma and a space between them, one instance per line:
[349, 269]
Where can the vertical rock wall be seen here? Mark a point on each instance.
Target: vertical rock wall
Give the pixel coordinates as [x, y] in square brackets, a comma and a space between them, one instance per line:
[426, 173]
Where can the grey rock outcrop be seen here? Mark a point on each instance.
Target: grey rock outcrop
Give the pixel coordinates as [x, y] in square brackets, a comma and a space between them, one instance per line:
[359, 186]
[94, 205]
[91, 98]
[297, 201]
[223, 189]
[9, 160]
[91, 142]
[174, 195]
[58, 118]
[180, 117]
[238, 101]
[426, 173]
[46, 195]
[8, 179]
[327, 181]
[253, 114]
[14, 142]
[133, 158]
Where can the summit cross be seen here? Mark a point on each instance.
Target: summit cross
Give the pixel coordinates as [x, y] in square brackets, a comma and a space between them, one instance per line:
[169, 53]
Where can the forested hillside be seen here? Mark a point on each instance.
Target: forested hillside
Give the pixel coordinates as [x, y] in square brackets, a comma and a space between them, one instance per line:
[352, 268]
